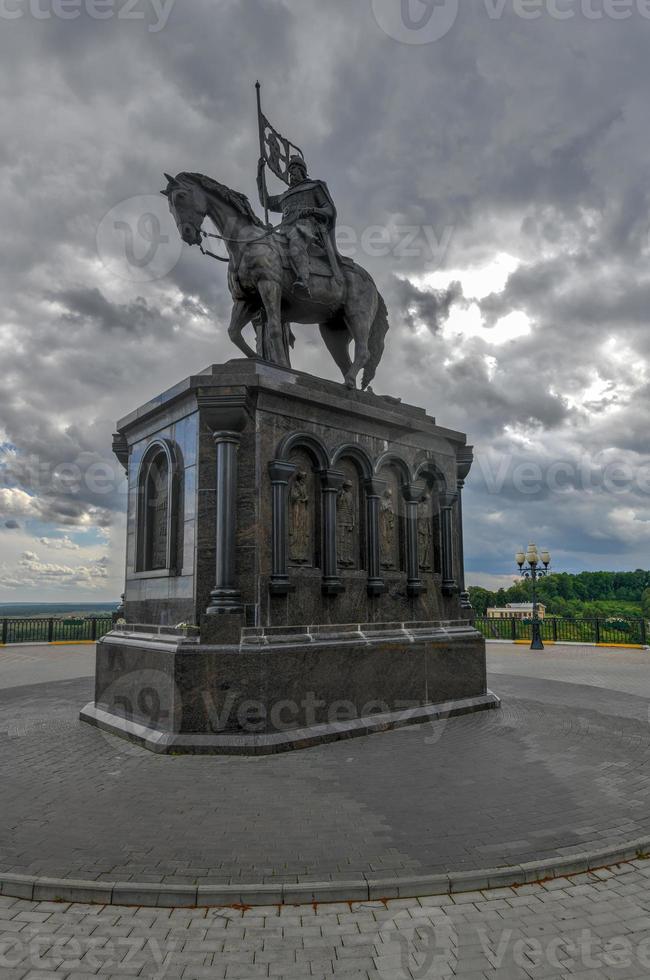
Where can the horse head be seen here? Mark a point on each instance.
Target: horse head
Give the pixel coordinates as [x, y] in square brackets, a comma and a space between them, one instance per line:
[188, 205]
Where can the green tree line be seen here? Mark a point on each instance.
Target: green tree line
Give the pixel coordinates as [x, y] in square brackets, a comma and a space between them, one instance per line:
[587, 594]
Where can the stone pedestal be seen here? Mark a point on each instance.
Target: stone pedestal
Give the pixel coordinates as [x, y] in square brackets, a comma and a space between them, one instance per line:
[270, 510]
[277, 690]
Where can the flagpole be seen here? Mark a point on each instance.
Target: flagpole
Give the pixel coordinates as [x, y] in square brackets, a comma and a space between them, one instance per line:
[262, 149]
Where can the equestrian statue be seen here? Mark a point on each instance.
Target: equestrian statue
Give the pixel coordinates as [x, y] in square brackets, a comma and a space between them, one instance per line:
[289, 274]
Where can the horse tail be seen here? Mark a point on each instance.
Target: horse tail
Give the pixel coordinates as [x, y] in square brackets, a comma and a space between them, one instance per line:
[376, 341]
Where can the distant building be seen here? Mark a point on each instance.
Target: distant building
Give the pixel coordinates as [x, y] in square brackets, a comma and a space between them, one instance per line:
[516, 610]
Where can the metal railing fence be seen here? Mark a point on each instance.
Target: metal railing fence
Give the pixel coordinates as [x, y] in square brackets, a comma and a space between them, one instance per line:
[53, 630]
[553, 629]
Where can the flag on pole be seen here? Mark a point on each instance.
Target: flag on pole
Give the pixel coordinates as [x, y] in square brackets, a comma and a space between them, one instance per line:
[276, 150]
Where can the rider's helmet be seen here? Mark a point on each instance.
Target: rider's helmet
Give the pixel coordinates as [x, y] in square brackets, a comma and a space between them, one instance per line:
[296, 161]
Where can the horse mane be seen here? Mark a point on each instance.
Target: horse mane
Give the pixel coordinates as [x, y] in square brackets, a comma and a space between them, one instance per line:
[238, 200]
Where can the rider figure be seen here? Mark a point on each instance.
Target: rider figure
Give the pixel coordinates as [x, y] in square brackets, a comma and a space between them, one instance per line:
[308, 215]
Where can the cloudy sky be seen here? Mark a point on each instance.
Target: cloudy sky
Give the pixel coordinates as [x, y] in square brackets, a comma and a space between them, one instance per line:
[490, 167]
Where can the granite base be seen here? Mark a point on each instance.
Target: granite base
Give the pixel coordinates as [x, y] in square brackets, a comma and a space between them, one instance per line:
[282, 689]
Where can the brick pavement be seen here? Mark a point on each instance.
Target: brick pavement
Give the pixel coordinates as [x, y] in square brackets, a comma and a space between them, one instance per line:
[24, 663]
[627, 671]
[563, 767]
[584, 928]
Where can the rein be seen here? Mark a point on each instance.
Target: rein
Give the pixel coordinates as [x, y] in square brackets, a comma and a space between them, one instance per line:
[235, 241]
[219, 258]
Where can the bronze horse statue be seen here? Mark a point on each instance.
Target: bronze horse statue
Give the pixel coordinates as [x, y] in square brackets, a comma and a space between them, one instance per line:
[261, 281]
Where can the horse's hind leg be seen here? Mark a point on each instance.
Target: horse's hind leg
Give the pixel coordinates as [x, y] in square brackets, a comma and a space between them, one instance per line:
[359, 326]
[337, 340]
[359, 314]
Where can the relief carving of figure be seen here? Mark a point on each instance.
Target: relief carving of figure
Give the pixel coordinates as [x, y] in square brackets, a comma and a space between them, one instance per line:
[424, 533]
[387, 530]
[299, 521]
[346, 526]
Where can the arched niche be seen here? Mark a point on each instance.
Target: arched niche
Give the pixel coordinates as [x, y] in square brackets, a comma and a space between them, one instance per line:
[306, 442]
[159, 503]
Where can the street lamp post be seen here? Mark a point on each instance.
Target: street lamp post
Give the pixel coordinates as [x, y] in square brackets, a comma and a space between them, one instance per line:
[530, 567]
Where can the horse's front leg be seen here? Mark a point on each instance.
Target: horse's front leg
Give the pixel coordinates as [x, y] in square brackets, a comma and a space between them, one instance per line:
[271, 294]
[242, 314]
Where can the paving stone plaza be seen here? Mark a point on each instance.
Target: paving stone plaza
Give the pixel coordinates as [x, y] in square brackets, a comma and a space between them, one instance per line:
[594, 925]
[561, 769]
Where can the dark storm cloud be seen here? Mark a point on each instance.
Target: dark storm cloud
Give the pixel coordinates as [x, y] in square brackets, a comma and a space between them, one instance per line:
[567, 291]
[428, 306]
[506, 136]
[91, 304]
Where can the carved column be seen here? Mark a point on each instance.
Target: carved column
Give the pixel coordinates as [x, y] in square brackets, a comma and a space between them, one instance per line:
[464, 461]
[281, 474]
[121, 450]
[465, 602]
[331, 482]
[447, 507]
[226, 597]
[413, 494]
[374, 491]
